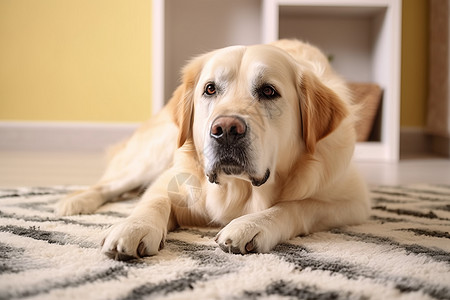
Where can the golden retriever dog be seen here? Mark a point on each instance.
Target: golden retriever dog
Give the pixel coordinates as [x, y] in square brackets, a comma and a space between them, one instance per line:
[257, 140]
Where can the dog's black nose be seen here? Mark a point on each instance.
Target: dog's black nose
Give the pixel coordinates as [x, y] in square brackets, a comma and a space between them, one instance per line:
[228, 129]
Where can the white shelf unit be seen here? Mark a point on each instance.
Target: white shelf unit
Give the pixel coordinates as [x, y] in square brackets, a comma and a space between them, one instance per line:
[363, 38]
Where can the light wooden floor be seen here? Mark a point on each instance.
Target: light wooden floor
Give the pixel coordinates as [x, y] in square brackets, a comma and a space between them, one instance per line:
[62, 168]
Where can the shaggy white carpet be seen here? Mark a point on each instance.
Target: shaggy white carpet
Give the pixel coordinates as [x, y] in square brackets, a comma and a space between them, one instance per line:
[403, 252]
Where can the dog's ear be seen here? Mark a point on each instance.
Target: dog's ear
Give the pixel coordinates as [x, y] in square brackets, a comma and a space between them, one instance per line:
[321, 110]
[182, 101]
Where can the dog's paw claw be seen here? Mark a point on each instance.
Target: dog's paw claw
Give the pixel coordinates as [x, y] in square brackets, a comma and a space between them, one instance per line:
[141, 250]
[250, 247]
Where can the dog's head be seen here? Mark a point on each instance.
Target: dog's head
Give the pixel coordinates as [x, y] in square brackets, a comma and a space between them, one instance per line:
[251, 112]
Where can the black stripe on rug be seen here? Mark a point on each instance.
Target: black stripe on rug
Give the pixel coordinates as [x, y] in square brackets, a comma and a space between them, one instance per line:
[7, 254]
[33, 191]
[412, 213]
[186, 282]
[37, 219]
[407, 195]
[51, 237]
[302, 259]
[210, 265]
[380, 200]
[427, 191]
[287, 289]
[384, 220]
[431, 233]
[112, 273]
[435, 254]
[38, 206]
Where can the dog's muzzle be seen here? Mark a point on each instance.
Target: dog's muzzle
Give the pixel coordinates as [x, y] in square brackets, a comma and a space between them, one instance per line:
[229, 149]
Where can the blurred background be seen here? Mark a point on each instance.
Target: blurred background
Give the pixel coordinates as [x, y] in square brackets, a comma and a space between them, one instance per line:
[80, 75]
[91, 60]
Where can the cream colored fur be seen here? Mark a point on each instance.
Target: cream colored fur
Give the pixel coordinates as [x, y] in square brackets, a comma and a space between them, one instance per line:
[304, 139]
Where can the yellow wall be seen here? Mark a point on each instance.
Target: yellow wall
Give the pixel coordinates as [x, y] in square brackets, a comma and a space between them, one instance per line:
[414, 70]
[75, 60]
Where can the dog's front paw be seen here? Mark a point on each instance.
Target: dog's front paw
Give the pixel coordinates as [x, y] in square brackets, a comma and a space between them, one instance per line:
[133, 238]
[244, 235]
[84, 202]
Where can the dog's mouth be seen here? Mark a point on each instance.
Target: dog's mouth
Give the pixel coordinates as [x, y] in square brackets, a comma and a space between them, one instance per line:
[233, 167]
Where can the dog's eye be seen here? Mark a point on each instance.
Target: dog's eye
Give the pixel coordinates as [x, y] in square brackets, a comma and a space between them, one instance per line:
[268, 92]
[210, 89]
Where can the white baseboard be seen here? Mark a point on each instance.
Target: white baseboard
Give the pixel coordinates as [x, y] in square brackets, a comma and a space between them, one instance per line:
[62, 136]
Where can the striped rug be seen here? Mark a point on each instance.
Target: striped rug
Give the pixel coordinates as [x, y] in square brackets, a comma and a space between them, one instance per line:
[403, 252]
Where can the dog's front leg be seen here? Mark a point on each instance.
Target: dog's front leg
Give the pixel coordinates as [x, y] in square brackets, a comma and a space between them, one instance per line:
[261, 231]
[143, 233]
